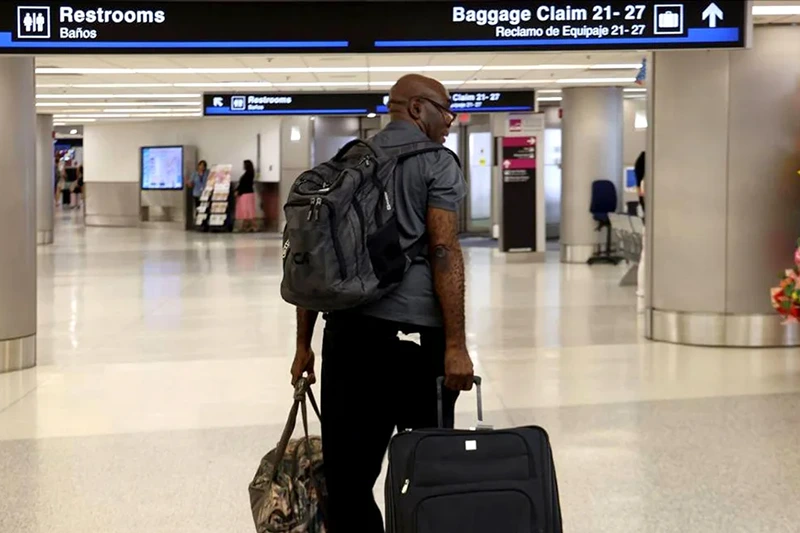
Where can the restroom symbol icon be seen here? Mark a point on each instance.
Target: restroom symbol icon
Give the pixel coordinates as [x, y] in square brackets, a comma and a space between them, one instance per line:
[238, 103]
[33, 22]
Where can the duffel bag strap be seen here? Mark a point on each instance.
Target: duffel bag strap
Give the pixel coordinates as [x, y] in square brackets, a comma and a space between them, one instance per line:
[301, 389]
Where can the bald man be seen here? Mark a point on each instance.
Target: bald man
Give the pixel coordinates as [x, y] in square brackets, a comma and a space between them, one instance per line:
[372, 383]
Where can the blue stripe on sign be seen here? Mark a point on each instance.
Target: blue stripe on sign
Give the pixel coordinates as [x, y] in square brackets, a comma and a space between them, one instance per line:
[485, 109]
[7, 42]
[228, 111]
[695, 36]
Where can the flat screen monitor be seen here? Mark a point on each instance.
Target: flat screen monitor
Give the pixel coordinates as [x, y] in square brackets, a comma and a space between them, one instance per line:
[162, 168]
[630, 178]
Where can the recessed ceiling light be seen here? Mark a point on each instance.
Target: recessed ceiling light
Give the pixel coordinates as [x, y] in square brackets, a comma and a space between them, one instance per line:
[121, 104]
[775, 10]
[616, 66]
[120, 95]
[320, 70]
[549, 91]
[126, 115]
[535, 67]
[504, 82]
[597, 80]
[371, 115]
[634, 90]
[167, 110]
[102, 85]
[73, 131]
[266, 70]
[223, 84]
[549, 99]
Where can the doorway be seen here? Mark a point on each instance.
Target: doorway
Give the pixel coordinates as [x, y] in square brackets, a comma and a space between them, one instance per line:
[472, 142]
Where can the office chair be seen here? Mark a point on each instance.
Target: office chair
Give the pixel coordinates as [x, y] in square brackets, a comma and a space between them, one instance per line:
[604, 201]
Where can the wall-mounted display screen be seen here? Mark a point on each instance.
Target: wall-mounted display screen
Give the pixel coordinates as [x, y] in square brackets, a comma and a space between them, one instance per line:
[361, 27]
[162, 168]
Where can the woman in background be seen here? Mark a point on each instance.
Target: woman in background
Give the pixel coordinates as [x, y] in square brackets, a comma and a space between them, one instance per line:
[198, 182]
[246, 198]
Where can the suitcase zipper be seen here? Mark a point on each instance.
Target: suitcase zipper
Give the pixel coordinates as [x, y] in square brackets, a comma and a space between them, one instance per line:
[455, 493]
[413, 459]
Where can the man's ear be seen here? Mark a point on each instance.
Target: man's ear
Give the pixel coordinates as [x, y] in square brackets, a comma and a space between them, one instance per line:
[415, 109]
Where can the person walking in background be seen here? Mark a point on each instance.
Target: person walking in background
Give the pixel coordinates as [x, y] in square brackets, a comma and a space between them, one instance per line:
[198, 182]
[246, 198]
[78, 190]
[639, 170]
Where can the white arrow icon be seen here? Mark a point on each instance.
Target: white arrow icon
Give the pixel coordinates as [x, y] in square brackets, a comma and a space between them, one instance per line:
[506, 163]
[531, 141]
[217, 101]
[712, 13]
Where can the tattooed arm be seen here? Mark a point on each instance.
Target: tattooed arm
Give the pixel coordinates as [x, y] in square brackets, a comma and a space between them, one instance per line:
[304, 355]
[447, 263]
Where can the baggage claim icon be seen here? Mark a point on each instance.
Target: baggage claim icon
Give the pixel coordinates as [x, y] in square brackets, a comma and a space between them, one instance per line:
[668, 19]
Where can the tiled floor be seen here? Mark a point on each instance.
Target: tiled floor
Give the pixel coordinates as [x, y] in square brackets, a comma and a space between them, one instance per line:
[164, 369]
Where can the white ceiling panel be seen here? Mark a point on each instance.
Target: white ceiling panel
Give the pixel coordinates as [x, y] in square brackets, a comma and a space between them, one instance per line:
[451, 68]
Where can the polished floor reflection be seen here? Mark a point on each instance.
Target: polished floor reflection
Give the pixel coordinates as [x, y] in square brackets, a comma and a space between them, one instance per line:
[163, 379]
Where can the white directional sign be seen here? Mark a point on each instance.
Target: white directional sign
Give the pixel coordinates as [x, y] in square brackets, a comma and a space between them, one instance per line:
[712, 13]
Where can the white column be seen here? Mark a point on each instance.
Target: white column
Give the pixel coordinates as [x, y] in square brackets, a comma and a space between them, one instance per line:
[45, 176]
[17, 214]
[591, 149]
[722, 191]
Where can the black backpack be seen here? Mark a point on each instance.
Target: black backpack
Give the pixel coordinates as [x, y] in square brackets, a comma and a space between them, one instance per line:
[341, 244]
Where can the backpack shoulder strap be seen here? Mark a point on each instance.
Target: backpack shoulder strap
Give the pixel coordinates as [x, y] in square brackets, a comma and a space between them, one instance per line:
[407, 151]
[355, 144]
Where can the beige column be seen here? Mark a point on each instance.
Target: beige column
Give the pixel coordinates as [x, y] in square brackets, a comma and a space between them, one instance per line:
[723, 191]
[17, 214]
[591, 149]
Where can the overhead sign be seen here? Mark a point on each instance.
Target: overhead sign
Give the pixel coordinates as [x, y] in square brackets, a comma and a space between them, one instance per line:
[334, 103]
[347, 27]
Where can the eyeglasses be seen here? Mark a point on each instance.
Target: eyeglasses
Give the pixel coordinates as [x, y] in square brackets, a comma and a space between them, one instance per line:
[448, 115]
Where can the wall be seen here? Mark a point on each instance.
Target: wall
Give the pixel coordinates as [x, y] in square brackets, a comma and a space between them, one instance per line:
[330, 134]
[111, 157]
[296, 146]
[633, 141]
[111, 151]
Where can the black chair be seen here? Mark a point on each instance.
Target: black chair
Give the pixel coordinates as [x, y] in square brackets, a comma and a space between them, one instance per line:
[604, 201]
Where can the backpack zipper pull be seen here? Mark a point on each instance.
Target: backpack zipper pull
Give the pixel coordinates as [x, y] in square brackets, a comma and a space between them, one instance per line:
[311, 210]
[319, 204]
[386, 199]
[405, 486]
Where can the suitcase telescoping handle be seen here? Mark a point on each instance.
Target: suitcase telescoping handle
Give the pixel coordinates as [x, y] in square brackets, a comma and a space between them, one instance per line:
[440, 408]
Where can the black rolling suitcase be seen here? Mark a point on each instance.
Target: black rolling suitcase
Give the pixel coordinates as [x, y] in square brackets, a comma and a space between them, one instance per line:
[482, 481]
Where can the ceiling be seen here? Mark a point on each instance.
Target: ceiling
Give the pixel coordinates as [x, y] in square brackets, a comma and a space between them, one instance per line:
[80, 89]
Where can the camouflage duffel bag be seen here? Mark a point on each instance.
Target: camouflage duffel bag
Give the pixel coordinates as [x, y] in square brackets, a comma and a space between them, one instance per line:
[288, 493]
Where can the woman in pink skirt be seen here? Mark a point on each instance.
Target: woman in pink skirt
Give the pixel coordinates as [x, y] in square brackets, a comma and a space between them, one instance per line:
[246, 198]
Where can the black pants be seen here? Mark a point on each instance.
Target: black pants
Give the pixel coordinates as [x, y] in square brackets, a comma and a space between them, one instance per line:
[372, 383]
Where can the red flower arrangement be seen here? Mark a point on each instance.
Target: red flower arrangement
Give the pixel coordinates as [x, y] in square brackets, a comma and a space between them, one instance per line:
[786, 296]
